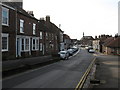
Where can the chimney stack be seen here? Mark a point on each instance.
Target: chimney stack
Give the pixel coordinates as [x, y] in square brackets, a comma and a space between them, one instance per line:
[42, 19]
[30, 13]
[95, 37]
[48, 18]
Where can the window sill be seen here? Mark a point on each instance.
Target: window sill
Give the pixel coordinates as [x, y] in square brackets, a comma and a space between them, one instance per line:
[4, 50]
[36, 50]
[22, 32]
[5, 24]
[25, 51]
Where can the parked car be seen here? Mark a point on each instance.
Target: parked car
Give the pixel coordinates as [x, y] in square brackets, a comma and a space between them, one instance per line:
[91, 51]
[74, 49]
[70, 51]
[86, 47]
[64, 54]
[89, 47]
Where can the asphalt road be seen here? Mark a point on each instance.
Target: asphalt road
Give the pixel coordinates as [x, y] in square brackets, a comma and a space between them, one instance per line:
[62, 74]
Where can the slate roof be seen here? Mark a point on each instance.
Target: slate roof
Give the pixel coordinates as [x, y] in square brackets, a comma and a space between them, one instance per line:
[107, 41]
[19, 10]
[66, 36]
[114, 43]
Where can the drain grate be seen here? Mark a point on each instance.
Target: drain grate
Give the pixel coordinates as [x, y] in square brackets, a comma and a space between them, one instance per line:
[95, 82]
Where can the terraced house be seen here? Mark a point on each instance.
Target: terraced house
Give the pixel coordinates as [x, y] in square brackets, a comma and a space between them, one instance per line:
[25, 36]
[20, 34]
[50, 36]
[8, 32]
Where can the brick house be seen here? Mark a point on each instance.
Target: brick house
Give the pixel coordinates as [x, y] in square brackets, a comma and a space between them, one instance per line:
[20, 35]
[25, 36]
[112, 46]
[0, 33]
[104, 44]
[67, 41]
[50, 34]
[27, 39]
[61, 42]
[8, 32]
[86, 40]
[99, 41]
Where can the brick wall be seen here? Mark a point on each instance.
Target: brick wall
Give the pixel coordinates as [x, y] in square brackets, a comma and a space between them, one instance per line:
[11, 30]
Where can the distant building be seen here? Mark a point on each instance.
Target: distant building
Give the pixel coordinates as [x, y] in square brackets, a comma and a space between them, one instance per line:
[112, 46]
[74, 42]
[96, 45]
[86, 40]
[67, 41]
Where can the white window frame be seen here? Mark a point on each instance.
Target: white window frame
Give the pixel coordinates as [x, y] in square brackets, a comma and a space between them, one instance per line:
[27, 44]
[5, 35]
[36, 45]
[41, 33]
[41, 45]
[32, 43]
[7, 16]
[22, 21]
[24, 40]
[34, 28]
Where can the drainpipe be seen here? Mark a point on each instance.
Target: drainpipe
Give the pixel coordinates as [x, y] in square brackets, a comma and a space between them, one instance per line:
[16, 29]
[0, 45]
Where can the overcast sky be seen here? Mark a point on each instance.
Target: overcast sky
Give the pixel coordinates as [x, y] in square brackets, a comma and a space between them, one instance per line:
[93, 17]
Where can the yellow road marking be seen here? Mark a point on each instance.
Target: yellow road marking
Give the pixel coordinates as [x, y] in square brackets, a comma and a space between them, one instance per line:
[82, 80]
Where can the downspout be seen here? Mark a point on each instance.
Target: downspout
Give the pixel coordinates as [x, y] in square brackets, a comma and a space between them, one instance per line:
[0, 45]
[16, 29]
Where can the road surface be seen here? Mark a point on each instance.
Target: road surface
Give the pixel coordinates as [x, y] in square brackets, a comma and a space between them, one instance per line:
[62, 74]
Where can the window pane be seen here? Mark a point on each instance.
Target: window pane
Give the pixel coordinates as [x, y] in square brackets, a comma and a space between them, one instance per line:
[33, 44]
[40, 46]
[40, 35]
[22, 44]
[4, 16]
[33, 41]
[4, 43]
[21, 26]
[34, 25]
[27, 44]
[37, 44]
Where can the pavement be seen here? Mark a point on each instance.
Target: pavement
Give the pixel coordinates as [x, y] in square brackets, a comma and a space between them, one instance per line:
[107, 72]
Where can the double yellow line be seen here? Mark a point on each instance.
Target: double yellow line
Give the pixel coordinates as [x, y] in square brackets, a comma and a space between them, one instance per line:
[83, 79]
